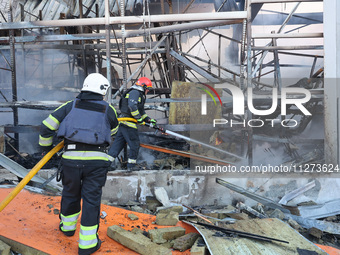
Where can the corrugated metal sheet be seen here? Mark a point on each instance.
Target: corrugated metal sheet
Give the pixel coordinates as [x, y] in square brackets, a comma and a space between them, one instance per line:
[51, 9]
[221, 244]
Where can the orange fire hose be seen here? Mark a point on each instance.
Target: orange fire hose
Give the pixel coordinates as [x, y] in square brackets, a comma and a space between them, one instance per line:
[186, 154]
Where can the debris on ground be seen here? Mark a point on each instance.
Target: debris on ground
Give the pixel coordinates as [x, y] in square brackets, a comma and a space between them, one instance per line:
[159, 226]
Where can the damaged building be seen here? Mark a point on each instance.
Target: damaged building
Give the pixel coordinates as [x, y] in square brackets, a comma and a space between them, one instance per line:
[245, 94]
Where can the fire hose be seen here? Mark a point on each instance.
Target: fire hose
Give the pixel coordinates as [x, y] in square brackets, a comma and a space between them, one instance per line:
[58, 147]
[30, 175]
[188, 139]
[35, 170]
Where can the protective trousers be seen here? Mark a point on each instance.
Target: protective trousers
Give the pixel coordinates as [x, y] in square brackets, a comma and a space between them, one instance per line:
[82, 179]
[125, 135]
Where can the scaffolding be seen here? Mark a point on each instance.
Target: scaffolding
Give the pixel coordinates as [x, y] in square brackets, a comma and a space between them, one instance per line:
[58, 43]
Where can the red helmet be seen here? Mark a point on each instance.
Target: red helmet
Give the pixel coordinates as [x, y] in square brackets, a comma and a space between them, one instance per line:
[144, 82]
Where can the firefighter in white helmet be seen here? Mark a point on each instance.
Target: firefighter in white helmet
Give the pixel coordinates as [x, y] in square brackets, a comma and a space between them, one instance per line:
[86, 125]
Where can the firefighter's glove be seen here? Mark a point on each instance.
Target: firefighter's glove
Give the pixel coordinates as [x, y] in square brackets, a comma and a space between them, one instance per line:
[140, 121]
[153, 122]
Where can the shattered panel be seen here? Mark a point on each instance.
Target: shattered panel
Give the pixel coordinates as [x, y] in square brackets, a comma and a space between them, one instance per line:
[221, 244]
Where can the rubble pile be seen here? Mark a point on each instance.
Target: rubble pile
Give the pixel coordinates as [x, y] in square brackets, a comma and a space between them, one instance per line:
[227, 215]
[227, 218]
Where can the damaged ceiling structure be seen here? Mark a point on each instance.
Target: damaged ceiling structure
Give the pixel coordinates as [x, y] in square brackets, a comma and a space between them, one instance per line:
[239, 86]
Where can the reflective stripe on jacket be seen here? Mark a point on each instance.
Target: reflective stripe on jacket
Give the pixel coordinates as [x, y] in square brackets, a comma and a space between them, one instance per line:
[87, 155]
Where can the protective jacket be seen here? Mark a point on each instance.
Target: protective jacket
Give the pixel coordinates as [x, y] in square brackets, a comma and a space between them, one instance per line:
[86, 123]
[132, 105]
[74, 121]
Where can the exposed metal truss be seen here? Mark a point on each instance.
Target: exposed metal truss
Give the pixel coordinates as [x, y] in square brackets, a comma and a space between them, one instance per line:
[156, 42]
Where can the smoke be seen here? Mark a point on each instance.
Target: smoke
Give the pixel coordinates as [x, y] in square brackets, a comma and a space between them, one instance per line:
[40, 76]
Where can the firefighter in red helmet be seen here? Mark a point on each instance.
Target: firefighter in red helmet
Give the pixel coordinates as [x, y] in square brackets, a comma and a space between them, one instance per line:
[132, 105]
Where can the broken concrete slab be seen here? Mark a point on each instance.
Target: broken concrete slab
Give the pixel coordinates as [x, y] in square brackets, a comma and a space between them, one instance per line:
[185, 242]
[162, 196]
[136, 242]
[132, 216]
[5, 249]
[199, 247]
[219, 243]
[167, 219]
[162, 235]
[177, 208]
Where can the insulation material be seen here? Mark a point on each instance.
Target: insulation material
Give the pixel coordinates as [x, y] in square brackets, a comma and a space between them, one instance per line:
[221, 244]
[190, 112]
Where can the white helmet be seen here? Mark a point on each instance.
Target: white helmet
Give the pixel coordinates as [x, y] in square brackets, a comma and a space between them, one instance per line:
[97, 83]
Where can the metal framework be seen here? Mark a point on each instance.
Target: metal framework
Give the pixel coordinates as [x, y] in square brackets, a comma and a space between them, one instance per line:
[124, 47]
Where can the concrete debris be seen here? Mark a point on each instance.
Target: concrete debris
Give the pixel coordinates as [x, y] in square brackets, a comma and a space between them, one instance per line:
[21, 172]
[137, 208]
[177, 208]
[162, 196]
[277, 214]
[4, 248]
[167, 219]
[315, 232]
[309, 212]
[163, 235]
[329, 227]
[29, 188]
[132, 216]
[294, 224]
[165, 163]
[168, 244]
[239, 216]
[103, 215]
[259, 208]
[199, 247]
[136, 242]
[152, 203]
[185, 242]
[137, 231]
[250, 210]
[263, 200]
